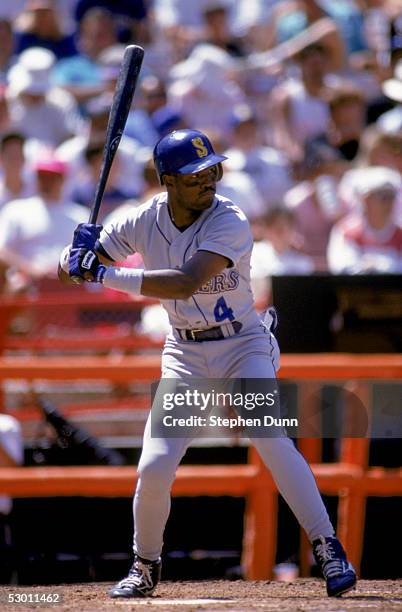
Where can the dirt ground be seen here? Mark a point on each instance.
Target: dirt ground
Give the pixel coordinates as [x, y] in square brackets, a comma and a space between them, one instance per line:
[300, 595]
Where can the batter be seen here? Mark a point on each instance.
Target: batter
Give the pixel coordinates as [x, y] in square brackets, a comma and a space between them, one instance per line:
[196, 247]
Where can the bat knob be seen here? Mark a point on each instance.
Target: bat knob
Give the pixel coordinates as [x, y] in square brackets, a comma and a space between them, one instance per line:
[77, 279]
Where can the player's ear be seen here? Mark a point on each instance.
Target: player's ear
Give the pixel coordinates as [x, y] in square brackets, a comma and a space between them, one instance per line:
[219, 172]
[168, 180]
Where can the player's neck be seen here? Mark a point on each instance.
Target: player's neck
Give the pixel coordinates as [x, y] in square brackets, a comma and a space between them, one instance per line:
[182, 219]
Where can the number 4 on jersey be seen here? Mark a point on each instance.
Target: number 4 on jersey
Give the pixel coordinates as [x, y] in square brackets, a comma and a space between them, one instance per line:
[222, 311]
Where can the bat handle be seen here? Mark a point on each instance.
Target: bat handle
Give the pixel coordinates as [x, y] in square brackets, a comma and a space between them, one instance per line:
[93, 217]
[100, 189]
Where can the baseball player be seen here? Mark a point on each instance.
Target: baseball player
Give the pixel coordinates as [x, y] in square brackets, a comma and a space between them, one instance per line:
[196, 247]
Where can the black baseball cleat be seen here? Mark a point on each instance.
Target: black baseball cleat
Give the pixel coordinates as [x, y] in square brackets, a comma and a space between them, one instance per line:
[141, 580]
[331, 559]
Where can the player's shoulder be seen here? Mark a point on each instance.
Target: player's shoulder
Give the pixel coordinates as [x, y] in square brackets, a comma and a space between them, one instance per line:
[227, 209]
[148, 210]
[152, 207]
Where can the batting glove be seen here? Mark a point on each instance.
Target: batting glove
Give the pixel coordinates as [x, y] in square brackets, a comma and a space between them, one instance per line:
[84, 264]
[85, 235]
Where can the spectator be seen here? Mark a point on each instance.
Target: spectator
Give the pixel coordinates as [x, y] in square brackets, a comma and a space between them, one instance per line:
[110, 62]
[84, 191]
[13, 9]
[41, 28]
[11, 455]
[176, 13]
[267, 167]
[252, 21]
[369, 239]
[270, 72]
[152, 184]
[81, 74]
[240, 186]
[5, 122]
[341, 141]
[391, 121]
[37, 109]
[166, 120]
[275, 254]
[316, 207]
[7, 49]
[395, 33]
[182, 23]
[377, 148]
[129, 15]
[322, 32]
[217, 28]
[199, 103]
[129, 158]
[152, 97]
[301, 111]
[16, 179]
[377, 30]
[150, 117]
[291, 18]
[34, 230]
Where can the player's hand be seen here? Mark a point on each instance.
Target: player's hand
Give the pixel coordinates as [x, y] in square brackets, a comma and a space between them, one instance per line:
[84, 265]
[86, 235]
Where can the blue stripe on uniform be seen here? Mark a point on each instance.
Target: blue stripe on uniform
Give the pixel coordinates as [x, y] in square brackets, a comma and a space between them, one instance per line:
[199, 308]
[157, 225]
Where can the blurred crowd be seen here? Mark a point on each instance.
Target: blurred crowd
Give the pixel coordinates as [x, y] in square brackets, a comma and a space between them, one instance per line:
[303, 96]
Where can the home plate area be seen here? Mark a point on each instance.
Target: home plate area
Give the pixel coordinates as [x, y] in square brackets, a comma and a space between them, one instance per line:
[298, 596]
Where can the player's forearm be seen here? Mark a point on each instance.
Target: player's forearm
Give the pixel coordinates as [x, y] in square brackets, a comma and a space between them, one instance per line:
[162, 284]
[168, 284]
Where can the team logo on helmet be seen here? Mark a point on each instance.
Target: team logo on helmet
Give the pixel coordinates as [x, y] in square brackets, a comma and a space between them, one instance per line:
[199, 146]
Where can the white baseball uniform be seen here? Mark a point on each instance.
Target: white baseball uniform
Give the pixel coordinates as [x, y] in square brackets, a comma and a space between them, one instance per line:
[246, 351]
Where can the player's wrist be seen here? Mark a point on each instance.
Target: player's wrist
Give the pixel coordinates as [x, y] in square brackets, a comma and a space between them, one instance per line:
[100, 274]
[128, 280]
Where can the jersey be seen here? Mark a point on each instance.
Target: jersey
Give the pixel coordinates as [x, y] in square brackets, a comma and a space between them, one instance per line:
[222, 228]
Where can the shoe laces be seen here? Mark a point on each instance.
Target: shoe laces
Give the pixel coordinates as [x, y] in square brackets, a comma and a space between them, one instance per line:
[332, 565]
[139, 576]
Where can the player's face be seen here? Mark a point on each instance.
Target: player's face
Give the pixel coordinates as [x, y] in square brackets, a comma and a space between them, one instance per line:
[196, 191]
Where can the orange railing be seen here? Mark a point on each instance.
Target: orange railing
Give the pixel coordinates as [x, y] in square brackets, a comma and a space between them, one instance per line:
[70, 320]
[350, 478]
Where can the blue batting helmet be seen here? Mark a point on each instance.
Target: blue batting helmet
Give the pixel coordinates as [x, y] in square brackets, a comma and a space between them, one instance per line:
[185, 152]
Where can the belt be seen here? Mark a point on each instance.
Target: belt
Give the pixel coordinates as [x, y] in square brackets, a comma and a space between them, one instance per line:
[213, 333]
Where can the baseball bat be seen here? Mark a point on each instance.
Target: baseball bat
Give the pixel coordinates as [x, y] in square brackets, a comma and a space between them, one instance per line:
[125, 89]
